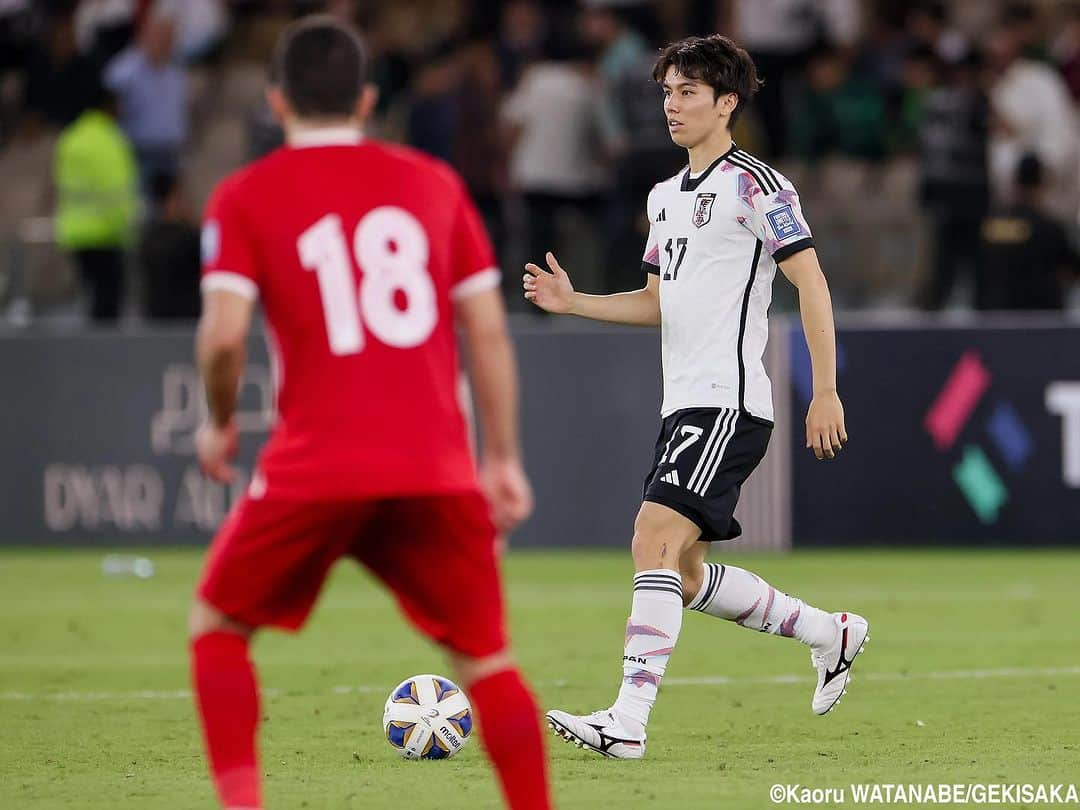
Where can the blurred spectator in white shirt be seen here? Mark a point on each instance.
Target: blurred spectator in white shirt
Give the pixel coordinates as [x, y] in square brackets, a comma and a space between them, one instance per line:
[1033, 113]
[201, 26]
[557, 123]
[556, 119]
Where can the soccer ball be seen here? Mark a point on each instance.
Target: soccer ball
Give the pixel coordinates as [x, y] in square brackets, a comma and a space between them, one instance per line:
[427, 717]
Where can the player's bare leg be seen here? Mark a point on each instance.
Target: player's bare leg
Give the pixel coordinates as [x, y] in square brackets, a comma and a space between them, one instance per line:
[507, 720]
[227, 697]
[661, 537]
[738, 595]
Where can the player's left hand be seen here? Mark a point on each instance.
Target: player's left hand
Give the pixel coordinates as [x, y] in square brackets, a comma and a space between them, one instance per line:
[508, 492]
[825, 431]
[216, 447]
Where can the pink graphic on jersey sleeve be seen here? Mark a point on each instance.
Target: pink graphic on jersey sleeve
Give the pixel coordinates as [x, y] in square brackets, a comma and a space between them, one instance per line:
[748, 189]
[653, 256]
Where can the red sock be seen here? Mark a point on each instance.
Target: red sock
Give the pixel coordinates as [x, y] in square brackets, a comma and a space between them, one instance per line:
[228, 701]
[509, 724]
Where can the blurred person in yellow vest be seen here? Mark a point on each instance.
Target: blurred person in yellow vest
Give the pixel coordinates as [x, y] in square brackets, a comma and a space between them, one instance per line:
[97, 199]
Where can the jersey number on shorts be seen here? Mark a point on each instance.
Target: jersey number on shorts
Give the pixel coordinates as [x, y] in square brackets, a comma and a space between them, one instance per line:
[391, 249]
[671, 274]
[691, 434]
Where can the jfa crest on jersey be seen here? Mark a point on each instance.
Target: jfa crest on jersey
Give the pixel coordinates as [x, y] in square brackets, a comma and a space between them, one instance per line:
[716, 281]
[703, 209]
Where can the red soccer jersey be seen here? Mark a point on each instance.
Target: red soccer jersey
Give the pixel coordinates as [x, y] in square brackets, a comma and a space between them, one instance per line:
[356, 250]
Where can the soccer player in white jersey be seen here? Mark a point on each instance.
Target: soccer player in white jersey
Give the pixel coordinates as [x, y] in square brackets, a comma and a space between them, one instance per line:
[719, 229]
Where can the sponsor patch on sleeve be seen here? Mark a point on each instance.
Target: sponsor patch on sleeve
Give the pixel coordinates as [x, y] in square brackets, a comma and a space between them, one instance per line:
[784, 223]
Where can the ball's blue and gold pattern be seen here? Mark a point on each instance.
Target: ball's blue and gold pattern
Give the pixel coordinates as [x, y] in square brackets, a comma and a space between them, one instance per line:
[427, 717]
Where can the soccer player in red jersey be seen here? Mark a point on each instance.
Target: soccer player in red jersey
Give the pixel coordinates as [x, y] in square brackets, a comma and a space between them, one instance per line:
[364, 256]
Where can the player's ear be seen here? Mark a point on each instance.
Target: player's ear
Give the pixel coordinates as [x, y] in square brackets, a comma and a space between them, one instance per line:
[279, 105]
[365, 105]
[727, 103]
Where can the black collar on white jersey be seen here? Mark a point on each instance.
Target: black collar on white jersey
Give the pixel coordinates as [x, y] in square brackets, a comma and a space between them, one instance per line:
[691, 184]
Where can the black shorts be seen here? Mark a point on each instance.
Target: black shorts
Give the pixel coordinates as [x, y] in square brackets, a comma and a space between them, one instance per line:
[703, 456]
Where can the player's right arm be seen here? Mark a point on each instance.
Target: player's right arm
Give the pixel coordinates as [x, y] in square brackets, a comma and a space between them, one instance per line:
[229, 291]
[553, 292]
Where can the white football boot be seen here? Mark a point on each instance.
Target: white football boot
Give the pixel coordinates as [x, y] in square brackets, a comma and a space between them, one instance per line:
[833, 661]
[600, 732]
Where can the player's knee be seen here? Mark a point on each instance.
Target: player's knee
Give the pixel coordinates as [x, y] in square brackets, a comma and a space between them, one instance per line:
[204, 618]
[653, 545]
[470, 669]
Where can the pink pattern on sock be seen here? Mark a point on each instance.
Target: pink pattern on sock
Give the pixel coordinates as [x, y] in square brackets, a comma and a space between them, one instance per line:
[661, 651]
[746, 614]
[787, 627]
[642, 630]
[642, 677]
[768, 608]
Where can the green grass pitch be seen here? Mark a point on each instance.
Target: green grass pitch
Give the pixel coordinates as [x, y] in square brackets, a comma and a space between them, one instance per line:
[972, 675]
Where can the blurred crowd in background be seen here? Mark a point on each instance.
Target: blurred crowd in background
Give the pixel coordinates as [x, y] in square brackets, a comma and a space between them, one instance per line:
[935, 143]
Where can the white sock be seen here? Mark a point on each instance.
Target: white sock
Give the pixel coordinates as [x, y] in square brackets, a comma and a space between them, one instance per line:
[651, 633]
[745, 598]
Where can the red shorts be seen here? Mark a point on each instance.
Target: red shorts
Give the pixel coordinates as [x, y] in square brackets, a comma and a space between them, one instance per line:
[435, 553]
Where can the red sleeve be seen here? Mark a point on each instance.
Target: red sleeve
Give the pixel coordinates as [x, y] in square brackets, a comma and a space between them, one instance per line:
[474, 267]
[228, 251]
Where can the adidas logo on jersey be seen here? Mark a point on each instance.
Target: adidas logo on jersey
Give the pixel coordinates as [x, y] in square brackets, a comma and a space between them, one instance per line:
[662, 216]
[671, 478]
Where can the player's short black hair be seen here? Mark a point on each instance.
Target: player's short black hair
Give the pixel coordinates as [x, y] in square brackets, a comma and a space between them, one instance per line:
[716, 61]
[320, 66]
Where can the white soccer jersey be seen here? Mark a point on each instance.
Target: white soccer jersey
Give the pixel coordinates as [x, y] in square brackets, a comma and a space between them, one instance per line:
[714, 241]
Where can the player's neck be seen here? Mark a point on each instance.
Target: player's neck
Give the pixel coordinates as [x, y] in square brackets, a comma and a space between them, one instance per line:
[703, 154]
[303, 131]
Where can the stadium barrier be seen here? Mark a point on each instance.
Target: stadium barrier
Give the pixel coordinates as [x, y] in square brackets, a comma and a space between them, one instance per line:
[958, 435]
[98, 438]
